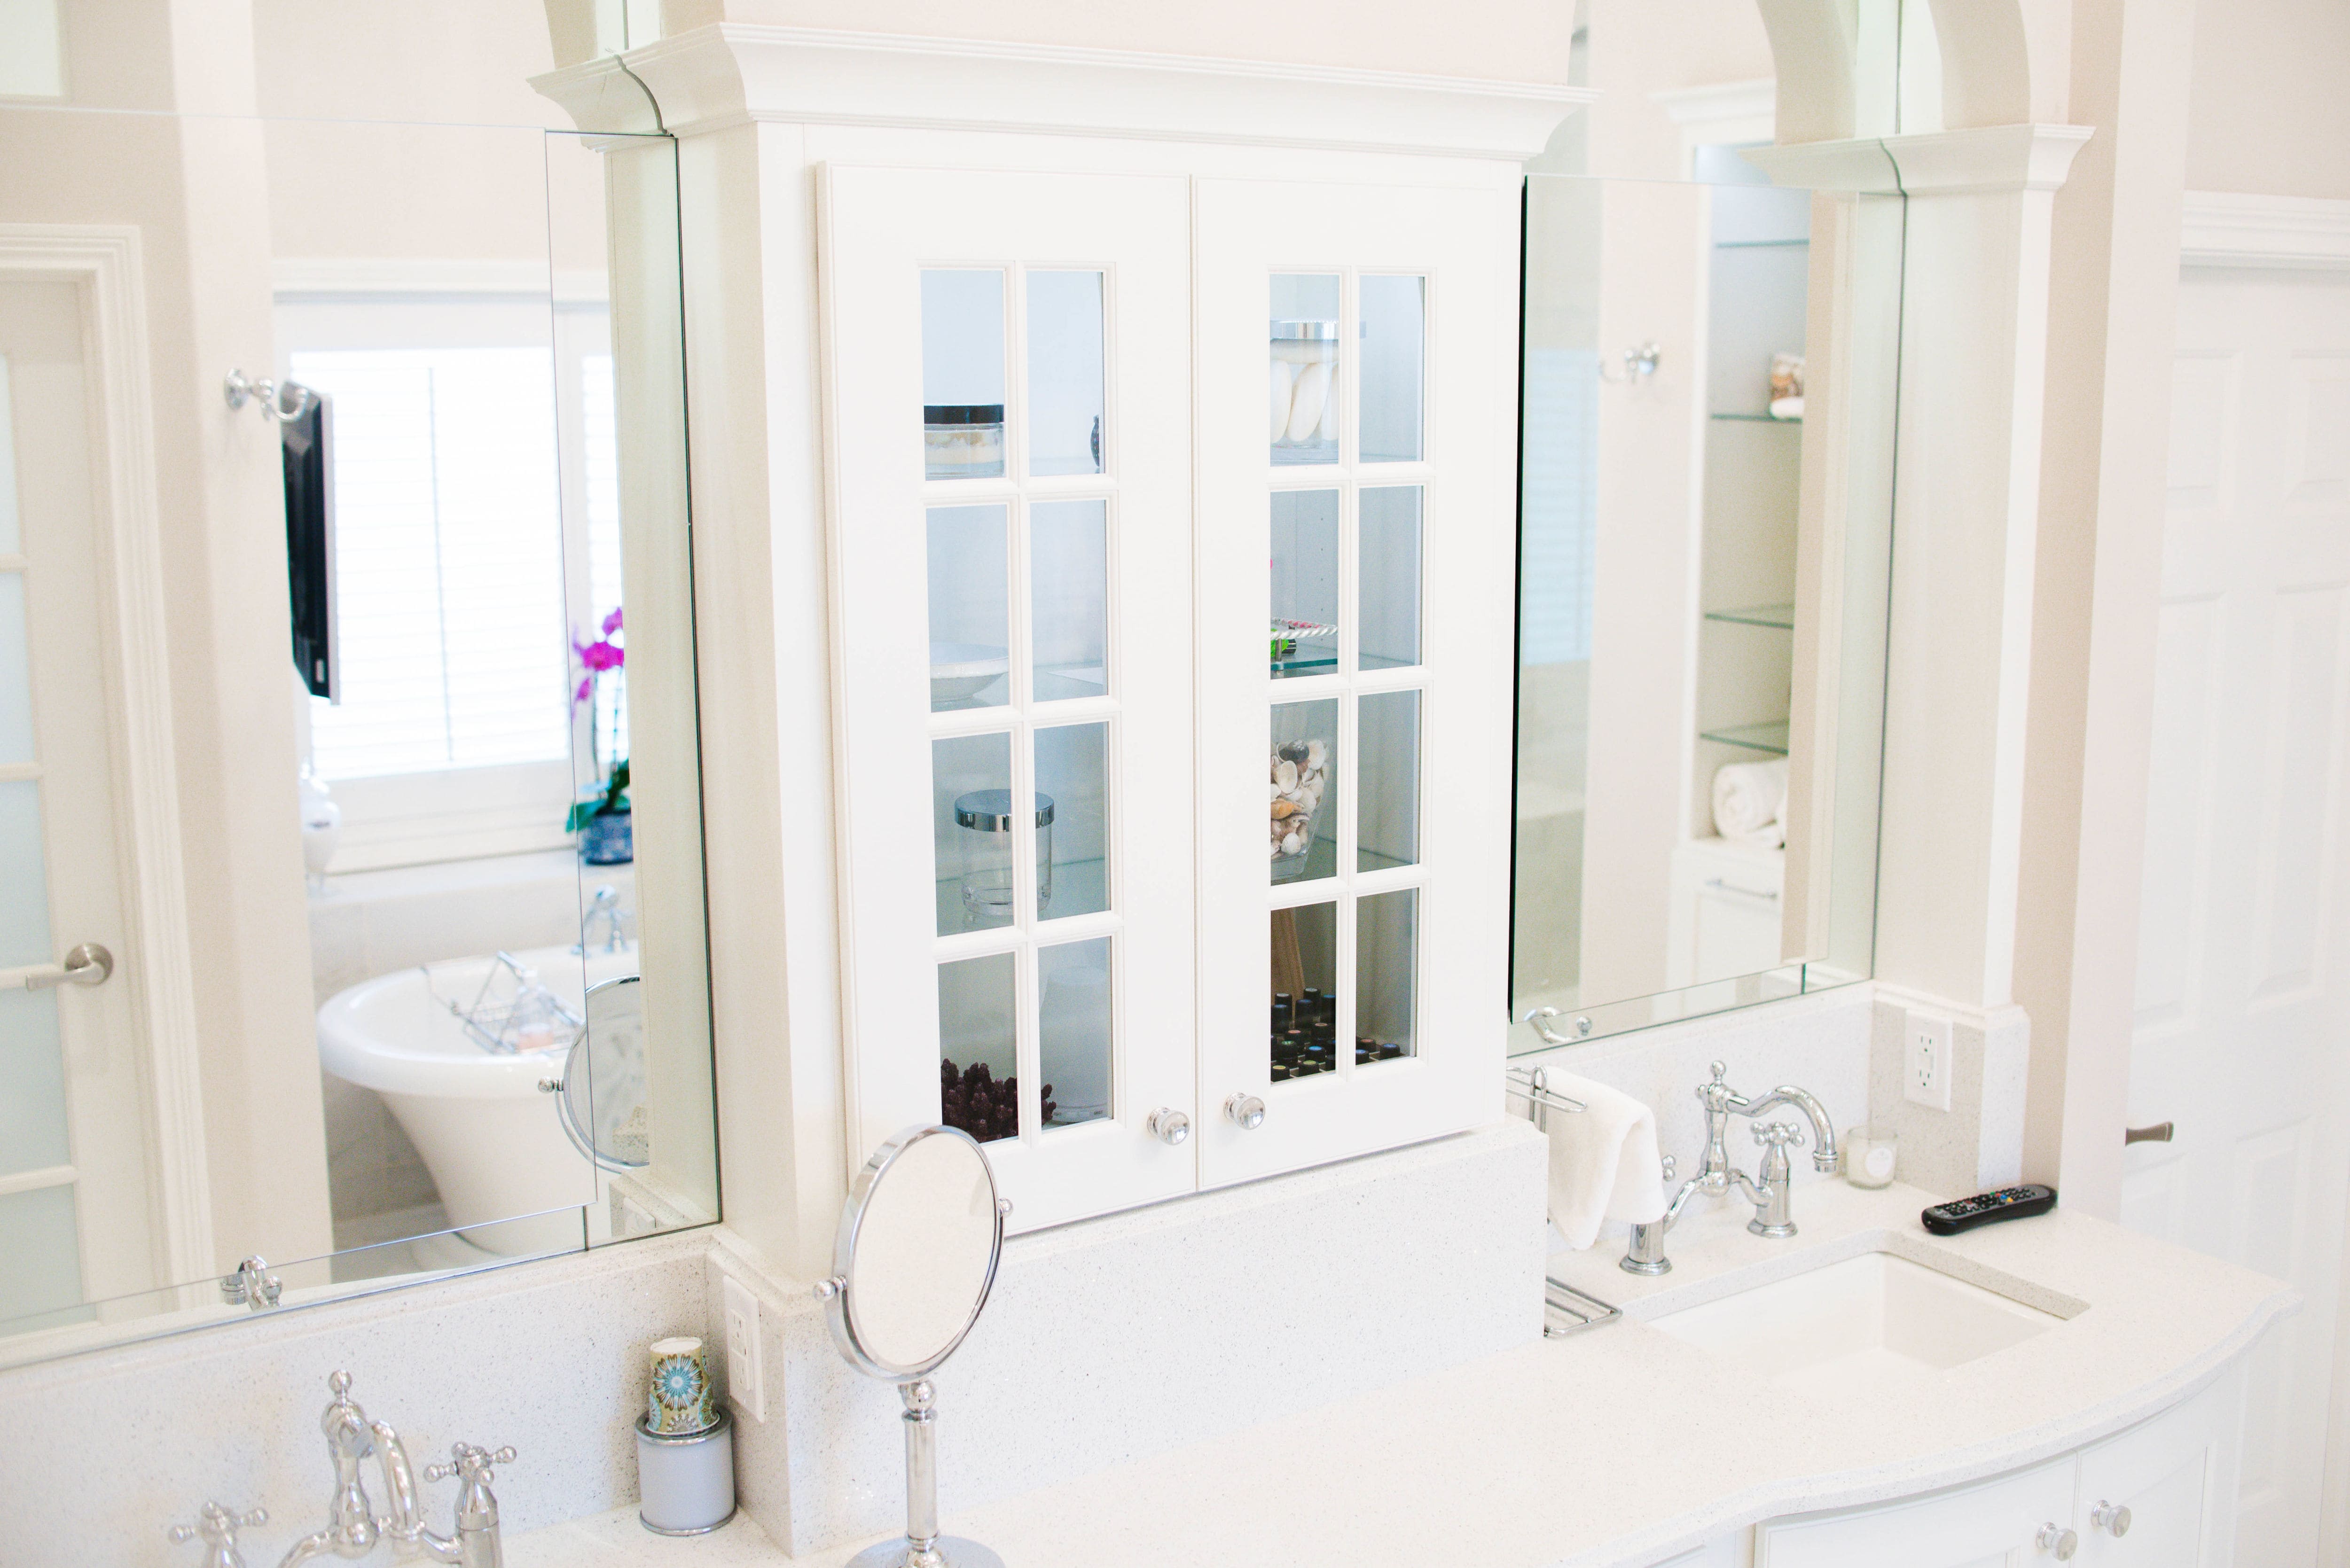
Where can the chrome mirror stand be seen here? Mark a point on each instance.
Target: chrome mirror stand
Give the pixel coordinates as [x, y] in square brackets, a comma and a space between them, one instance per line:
[923, 1547]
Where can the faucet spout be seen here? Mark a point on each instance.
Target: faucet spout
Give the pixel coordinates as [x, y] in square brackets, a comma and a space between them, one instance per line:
[1825, 1157]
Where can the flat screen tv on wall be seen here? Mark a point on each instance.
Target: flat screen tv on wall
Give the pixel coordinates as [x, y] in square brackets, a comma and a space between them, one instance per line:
[310, 444]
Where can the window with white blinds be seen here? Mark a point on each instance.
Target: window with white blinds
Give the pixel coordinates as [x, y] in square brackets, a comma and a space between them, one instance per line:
[449, 560]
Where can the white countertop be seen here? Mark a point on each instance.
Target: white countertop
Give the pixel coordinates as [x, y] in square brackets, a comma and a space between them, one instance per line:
[1621, 1445]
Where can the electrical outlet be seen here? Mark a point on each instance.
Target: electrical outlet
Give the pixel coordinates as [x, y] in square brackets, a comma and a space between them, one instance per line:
[1926, 1061]
[744, 1385]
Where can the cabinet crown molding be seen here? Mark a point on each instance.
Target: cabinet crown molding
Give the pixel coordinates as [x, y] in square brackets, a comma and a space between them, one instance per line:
[1985, 158]
[731, 74]
[2228, 228]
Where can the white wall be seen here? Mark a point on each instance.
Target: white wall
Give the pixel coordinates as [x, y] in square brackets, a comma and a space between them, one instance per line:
[1515, 40]
[2268, 104]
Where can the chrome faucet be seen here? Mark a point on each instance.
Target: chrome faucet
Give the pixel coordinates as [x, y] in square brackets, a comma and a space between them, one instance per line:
[1768, 1191]
[353, 1527]
[216, 1527]
[606, 908]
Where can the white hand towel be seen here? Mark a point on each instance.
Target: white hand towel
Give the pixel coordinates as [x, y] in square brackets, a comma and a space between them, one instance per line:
[1604, 1163]
[1749, 802]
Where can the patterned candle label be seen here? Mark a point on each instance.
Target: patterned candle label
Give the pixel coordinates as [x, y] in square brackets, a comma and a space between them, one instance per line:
[681, 1401]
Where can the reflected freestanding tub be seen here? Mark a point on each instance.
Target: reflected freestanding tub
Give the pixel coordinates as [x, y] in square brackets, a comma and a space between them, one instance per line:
[491, 1136]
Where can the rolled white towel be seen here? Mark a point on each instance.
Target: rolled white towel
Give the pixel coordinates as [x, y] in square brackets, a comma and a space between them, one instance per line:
[1749, 802]
[1604, 1163]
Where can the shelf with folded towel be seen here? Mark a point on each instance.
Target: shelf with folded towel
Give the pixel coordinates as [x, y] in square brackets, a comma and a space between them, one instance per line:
[1771, 737]
[1780, 616]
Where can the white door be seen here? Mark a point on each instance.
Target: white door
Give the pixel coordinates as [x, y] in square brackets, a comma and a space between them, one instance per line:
[74, 1209]
[2243, 1034]
[1355, 791]
[1009, 365]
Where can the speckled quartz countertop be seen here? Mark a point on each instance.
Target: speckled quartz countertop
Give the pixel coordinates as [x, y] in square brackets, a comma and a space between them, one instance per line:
[1621, 1445]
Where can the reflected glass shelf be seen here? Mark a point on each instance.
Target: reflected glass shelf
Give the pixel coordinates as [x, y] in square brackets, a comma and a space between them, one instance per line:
[1780, 616]
[1771, 737]
[1760, 244]
[1759, 419]
[1308, 659]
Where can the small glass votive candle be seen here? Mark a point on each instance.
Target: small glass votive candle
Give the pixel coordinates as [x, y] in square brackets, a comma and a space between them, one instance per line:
[1868, 1154]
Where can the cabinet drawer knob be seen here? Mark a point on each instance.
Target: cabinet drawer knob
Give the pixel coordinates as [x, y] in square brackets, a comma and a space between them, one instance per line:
[1247, 1112]
[1170, 1125]
[2111, 1516]
[2055, 1538]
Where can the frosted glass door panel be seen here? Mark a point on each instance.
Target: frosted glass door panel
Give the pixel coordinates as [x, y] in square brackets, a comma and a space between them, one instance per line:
[1394, 329]
[16, 674]
[962, 373]
[32, 1068]
[24, 906]
[971, 831]
[1304, 567]
[1387, 787]
[1073, 983]
[11, 528]
[1068, 552]
[979, 1090]
[1065, 372]
[1307, 384]
[1387, 976]
[971, 638]
[42, 1285]
[1073, 772]
[1301, 774]
[1389, 570]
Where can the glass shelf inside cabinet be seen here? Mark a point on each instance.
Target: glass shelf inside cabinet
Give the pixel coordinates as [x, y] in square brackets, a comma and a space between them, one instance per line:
[1783, 617]
[1761, 418]
[1770, 737]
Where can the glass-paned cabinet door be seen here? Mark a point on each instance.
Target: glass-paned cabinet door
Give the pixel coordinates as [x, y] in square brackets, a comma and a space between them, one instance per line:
[1355, 781]
[1009, 376]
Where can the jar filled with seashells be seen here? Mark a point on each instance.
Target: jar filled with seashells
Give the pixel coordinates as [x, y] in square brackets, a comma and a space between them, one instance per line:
[1300, 776]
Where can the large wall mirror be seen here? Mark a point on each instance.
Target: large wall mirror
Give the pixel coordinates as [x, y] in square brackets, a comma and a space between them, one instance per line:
[1706, 529]
[357, 722]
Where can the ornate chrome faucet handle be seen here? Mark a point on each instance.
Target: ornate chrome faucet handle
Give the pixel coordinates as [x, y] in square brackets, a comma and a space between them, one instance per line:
[472, 1461]
[1778, 1135]
[1671, 1168]
[216, 1527]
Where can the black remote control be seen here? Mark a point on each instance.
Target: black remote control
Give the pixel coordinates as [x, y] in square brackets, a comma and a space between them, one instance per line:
[1988, 1207]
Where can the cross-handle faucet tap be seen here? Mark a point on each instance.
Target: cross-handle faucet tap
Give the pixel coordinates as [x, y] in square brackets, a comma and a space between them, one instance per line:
[475, 1543]
[216, 1527]
[1717, 1176]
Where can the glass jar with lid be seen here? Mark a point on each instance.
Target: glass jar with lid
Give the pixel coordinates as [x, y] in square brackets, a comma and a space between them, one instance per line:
[1305, 402]
[985, 819]
[962, 440]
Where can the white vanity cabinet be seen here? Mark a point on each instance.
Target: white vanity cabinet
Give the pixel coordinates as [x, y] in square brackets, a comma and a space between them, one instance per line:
[2159, 1495]
[1078, 567]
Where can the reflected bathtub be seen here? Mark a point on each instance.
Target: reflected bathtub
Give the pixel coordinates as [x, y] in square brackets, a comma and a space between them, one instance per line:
[489, 1134]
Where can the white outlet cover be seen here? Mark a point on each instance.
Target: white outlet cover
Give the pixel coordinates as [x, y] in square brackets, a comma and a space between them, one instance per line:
[745, 1386]
[1925, 1066]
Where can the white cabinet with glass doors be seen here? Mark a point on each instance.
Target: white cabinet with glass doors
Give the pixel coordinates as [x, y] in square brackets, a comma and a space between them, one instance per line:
[1174, 761]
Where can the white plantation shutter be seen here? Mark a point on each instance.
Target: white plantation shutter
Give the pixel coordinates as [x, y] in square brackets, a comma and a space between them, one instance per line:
[449, 571]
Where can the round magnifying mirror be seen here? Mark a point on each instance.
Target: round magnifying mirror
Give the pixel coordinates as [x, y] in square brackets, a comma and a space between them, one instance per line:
[919, 1237]
[602, 1099]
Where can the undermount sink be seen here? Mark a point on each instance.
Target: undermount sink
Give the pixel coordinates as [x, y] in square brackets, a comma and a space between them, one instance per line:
[1876, 1318]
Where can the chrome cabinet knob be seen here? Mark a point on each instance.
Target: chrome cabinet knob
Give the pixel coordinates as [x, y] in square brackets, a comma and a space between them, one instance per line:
[1169, 1125]
[2055, 1538]
[1247, 1112]
[2111, 1517]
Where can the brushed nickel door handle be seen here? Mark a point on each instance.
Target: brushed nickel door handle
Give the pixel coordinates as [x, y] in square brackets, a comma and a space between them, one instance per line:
[89, 965]
[2158, 1133]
